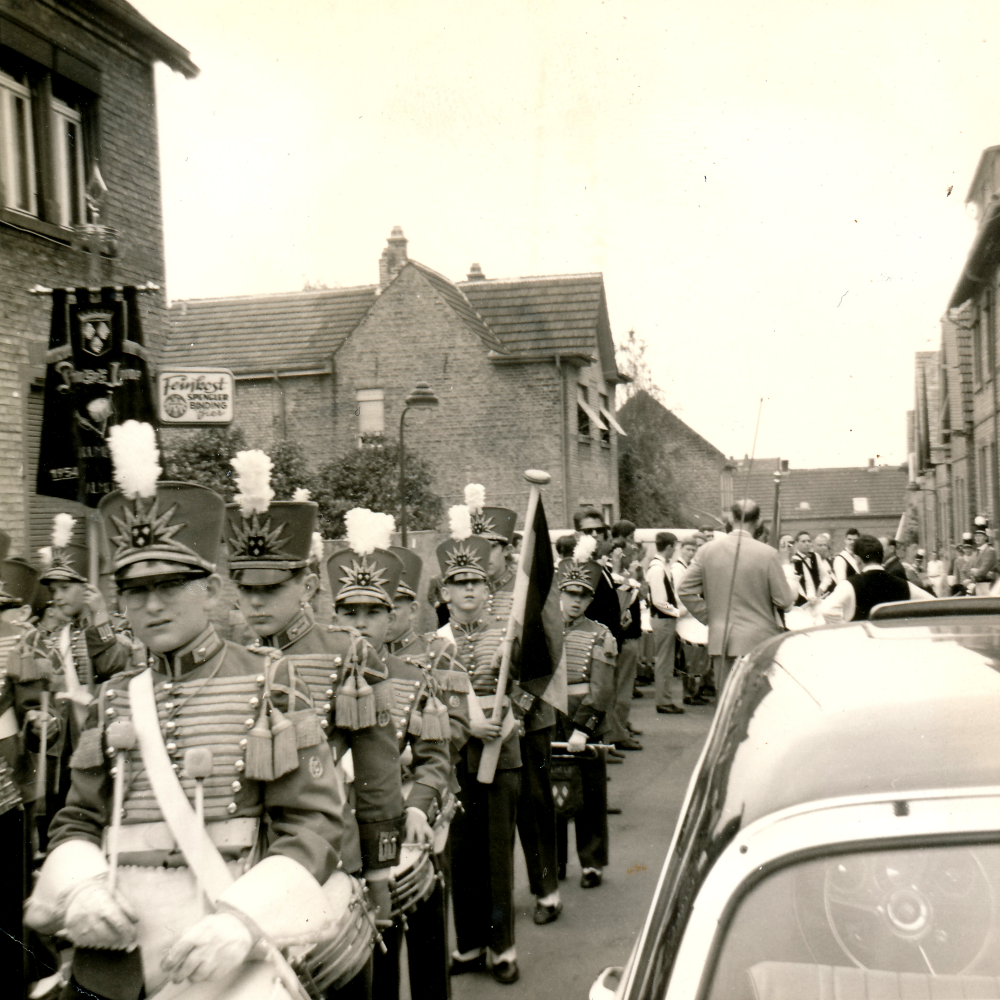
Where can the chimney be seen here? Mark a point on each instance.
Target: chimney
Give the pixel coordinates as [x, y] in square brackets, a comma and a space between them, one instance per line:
[475, 273]
[784, 465]
[871, 463]
[393, 258]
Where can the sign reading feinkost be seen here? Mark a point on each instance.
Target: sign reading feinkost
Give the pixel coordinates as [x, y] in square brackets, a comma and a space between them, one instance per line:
[195, 396]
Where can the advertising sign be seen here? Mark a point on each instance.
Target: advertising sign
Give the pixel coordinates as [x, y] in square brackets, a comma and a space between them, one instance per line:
[195, 397]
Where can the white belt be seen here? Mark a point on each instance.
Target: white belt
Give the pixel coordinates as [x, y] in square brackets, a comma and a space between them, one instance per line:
[136, 838]
[582, 688]
[8, 724]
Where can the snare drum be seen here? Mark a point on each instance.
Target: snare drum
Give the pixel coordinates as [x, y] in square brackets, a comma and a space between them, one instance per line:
[412, 880]
[342, 954]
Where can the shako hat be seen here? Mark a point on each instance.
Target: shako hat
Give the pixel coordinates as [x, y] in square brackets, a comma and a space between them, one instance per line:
[412, 567]
[156, 529]
[268, 541]
[64, 561]
[580, 570]
[494, 523]
[365, 572]
[464, 556]
[18, 582]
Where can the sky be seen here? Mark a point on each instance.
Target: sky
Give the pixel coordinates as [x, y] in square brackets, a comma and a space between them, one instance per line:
[765, 187]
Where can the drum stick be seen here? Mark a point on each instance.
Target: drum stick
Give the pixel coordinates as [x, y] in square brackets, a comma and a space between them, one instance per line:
[43, 752]
[586, 746]
[198, 763]
[121, 739]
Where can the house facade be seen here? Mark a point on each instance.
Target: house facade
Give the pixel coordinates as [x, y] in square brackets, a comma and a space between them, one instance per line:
[955, 425]
[76, 92]
[523, 369]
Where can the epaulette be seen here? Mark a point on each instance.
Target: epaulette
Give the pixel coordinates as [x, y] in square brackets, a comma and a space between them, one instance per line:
[89, 752]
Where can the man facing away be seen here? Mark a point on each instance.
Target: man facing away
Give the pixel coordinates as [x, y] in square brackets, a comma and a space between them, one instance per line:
[854, 599]
[751, 573]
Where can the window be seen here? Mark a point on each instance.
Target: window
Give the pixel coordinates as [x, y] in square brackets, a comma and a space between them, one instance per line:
[48, 106]
[605, 431]
[17, 148]
[860, 505]
[977, 352]
[67, 142]
[586, 416]
[608, 511]
[371, 416]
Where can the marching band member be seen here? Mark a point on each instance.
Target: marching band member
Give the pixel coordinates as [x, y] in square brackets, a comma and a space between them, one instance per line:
[422, 727]
[536, 811]
[590, 651]
[70, 662]
[131, 866]
[483, 834]
[272, 558]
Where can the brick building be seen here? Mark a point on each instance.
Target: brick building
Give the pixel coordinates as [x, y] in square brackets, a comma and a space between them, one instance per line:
[524, 369]
[870, 499]
[668, 465]
[76, 91]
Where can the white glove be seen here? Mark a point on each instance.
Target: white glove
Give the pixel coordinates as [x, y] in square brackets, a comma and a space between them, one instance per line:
[212, 948]
[418, 830]
[577, 742]
[96, 918]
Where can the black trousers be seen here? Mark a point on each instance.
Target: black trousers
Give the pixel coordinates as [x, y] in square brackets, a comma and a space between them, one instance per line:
[536, 812]
[591, 820]
[482, 859]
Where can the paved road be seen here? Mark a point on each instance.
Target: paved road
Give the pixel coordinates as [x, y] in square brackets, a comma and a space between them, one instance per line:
[598, 926]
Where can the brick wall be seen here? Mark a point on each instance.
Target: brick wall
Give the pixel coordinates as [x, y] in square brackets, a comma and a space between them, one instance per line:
[129, 162]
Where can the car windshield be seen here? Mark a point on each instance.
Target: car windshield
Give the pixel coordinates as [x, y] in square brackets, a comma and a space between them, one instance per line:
[919, 922]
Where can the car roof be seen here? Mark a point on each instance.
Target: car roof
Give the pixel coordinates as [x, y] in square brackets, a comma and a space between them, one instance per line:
[866, 708]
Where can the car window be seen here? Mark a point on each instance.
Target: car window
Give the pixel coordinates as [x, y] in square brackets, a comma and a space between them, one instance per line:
[919, 922]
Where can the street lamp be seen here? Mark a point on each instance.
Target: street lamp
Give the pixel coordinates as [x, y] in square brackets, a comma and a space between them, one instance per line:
[422, 397]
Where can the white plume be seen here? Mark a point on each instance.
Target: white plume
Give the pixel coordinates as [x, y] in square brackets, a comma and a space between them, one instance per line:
[45, 556]
[475, 497]
[62, 530]
[135, 458]
[253, 480]
[459, 521]
[368, 530]
[301, 495]
[585, 546]
[316, 550]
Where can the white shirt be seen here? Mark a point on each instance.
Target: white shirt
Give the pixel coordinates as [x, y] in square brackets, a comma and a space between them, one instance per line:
[657, 587]
[842, 603]
[840, 563]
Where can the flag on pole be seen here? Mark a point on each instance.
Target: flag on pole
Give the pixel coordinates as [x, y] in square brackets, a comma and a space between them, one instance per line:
[539, 634]
[97, 376]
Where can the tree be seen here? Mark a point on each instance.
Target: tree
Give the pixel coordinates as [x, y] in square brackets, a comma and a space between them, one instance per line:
[369, 477]
[205, 457]
[630, 358]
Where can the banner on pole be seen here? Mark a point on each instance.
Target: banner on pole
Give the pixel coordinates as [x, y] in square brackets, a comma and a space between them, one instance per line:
[97, 376]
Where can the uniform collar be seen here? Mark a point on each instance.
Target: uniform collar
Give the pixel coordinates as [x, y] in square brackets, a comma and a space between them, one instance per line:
[299, 626]
[182, 661]
[466, 628]
[398, 645]
[508, 575]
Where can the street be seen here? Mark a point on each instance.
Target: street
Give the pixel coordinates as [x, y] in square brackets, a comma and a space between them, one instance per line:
[598, 927]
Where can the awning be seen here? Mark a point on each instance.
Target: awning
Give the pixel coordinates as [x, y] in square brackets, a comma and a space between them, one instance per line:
[614, 423]
[592, 413]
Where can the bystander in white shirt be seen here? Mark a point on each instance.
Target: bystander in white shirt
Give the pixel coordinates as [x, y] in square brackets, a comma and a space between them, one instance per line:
[842, 603]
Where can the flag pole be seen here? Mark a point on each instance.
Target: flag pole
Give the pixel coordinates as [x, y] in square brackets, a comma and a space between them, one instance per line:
[491, 750]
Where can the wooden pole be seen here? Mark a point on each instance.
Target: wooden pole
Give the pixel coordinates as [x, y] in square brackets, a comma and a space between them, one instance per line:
[491, 750]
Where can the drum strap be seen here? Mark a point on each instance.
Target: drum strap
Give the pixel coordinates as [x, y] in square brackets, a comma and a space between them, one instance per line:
[201, 854]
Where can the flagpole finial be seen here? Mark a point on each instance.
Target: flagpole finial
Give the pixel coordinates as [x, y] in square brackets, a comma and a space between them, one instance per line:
[538, 477]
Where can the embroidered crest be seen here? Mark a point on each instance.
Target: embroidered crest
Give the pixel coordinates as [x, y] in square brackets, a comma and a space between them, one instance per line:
[384, 718]
[143, 526]
[453, 701]
[254, 537]
[481, 524]
[95, 331]
[576, 574]
[364, 574]
[316, 767]
[461, 557]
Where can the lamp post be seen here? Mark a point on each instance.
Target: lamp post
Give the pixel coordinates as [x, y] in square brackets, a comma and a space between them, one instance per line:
[422, 397]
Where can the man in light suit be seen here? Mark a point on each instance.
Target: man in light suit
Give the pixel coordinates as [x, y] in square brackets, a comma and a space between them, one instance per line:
[759, 590]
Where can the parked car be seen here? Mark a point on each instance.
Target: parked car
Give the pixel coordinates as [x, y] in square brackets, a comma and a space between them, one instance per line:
[840, 837]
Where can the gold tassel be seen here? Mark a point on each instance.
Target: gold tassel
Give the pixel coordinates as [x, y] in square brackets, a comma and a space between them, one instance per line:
[430, 720]
[286, 753]
[260, 750]
[347, 704]
[367, 716]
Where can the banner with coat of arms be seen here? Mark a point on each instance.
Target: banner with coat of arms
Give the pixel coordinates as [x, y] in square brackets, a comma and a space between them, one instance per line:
[98, 375]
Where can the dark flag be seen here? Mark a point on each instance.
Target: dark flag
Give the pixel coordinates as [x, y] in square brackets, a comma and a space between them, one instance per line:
[98, 376]
[543, 672]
